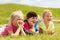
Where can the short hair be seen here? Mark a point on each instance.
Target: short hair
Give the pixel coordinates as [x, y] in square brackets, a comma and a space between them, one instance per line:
[31, 14]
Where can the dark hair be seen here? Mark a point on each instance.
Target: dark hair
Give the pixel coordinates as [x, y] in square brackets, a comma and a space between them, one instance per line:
[31, 14]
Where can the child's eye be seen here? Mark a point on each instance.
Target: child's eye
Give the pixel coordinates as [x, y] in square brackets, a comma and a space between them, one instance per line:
[47, 16]
[34, 17]
[20, 19]
[50, 16]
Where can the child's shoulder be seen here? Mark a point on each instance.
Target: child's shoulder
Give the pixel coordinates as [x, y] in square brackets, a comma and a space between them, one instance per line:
[25, 24]
[9, 26]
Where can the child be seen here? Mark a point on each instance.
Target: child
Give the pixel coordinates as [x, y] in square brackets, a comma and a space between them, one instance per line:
[46, 25]
[29, 23]
[15, 26]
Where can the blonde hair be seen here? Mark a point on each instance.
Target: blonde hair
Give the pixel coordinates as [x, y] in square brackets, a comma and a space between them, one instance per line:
[46, 11]
[16, 14]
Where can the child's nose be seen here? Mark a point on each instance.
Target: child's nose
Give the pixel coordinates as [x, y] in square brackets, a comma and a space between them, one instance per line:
[49, 17]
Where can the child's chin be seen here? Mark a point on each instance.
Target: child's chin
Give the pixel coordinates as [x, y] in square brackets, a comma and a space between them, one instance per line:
[34, 22]
[49, 20]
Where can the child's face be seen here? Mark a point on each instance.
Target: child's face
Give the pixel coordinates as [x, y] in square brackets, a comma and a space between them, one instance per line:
[32, 20]
[48, 17]
[17, 21]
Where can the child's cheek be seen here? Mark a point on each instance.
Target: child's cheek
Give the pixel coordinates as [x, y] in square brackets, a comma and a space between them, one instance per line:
[31, 24]
[34, 21]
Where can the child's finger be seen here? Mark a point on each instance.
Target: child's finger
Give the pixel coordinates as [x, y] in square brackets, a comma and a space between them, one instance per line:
[20, 23]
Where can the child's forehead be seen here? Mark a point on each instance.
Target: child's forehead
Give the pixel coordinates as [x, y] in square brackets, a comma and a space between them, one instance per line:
[48, 14]
[20, 17]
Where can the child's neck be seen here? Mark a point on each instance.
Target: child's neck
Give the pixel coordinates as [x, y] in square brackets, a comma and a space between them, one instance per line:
[46, 24]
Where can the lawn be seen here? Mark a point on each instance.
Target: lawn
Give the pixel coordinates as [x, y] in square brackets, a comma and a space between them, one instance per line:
[7, 9]
[56, 36]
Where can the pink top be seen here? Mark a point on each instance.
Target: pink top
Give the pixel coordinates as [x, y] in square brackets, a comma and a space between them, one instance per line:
[26, 26]
[9, 27]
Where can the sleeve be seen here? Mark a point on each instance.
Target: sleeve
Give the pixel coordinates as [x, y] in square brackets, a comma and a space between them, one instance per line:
[26, 26]
[36, 26]
[4, 31]
[42, 25]
[9, 29]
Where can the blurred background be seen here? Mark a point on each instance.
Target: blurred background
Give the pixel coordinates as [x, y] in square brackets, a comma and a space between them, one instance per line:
[39, 3]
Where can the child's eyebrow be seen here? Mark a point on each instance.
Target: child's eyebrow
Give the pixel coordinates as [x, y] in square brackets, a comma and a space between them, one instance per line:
[20, 19]
[34, 17]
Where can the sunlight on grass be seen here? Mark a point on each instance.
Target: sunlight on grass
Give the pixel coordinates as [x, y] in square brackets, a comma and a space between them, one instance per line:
[6, 10]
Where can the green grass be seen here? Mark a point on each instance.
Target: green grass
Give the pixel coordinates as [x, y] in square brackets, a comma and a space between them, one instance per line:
[7, 9]
[37, 36]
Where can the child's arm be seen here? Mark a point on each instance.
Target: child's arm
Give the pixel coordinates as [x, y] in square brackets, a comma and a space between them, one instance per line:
[14, 34]
[20, 29]
[17, 32]
[51, 32]
[10, 32]
[51, 29]
[20, 24]
[32, 27]
[22, 32]
[41, 30]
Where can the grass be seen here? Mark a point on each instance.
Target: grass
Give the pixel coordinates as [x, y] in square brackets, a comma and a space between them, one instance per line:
[7, 9]
[37, 36]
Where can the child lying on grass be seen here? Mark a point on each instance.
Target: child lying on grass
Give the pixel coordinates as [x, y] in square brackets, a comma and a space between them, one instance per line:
[46, 25]
[31, 19]
[15, 27]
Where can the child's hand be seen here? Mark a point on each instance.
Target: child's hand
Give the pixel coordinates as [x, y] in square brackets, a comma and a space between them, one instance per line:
[51, 32]
[14, 35]
[32, 30]
[20, 23]
[31, 24]
[41, 30]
